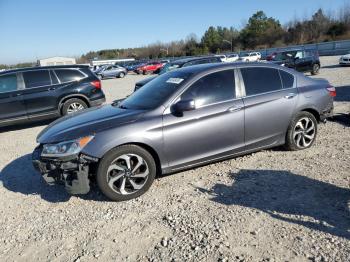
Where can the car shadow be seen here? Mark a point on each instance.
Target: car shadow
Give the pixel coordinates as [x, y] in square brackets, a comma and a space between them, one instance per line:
[343, 94]
[20, 176]
[25, 126]
[289, 197]
[343, 119]
[331, 66]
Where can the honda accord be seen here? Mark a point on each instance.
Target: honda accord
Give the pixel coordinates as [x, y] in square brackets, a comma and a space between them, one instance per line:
[182, 119]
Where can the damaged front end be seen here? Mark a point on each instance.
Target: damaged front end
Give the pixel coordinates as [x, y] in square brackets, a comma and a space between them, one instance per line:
[71, 171]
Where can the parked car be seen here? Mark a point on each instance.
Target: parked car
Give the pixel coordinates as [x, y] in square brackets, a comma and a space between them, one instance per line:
[271, 57]
[222, 57]
[345, 59]
[38, 93]
[184, 118]
[111, 71]
[151, 67]
[232, 58]
[251, 57]
[133, 66]
[180, 63]
[300, 60]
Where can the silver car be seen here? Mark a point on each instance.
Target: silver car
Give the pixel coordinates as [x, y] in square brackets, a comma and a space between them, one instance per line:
[182, 119]
[111, 71]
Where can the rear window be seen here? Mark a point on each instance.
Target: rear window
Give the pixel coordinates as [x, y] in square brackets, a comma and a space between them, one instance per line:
[36, 78]
[259, 80]
[68, 75]
[8, 83]
[287, 79]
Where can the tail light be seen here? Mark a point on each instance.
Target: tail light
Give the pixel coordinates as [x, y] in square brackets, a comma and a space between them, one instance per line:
[96, 84]
[331, 90]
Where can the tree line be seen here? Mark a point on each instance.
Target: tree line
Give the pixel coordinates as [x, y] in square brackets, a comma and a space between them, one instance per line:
[259, 32]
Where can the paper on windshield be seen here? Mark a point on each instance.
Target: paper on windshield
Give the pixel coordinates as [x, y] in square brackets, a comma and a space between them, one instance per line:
[174, 80]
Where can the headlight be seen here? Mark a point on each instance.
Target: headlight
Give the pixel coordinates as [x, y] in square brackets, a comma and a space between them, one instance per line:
[66, 148]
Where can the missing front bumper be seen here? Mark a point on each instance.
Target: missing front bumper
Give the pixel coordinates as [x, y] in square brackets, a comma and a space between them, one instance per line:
[72, 173]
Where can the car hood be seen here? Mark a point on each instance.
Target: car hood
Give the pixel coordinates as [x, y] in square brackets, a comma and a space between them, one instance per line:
[345, 56]
[87, 122]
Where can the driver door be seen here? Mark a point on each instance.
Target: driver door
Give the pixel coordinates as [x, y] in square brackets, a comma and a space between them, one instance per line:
[212, 130]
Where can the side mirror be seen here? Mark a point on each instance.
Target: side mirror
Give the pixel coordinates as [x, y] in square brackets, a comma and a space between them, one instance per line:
[184, 105]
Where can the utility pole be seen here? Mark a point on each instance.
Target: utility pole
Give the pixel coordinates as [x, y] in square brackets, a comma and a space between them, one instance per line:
[230, 42]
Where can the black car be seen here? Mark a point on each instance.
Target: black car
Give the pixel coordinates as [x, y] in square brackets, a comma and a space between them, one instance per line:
[39, 93]
[181, 63]
[300, 60]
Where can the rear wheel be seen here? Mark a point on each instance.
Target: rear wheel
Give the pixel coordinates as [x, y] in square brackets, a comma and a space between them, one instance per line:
[315, 69]
[301, 132]
[73, 105]
[126, 172]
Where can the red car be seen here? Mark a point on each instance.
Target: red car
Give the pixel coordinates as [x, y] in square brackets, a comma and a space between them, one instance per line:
[271, 56]
[151, 67]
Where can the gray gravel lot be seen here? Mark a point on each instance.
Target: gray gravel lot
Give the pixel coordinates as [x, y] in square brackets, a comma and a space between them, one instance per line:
[272, 205]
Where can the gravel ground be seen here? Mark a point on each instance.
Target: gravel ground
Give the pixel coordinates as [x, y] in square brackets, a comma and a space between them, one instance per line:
[267, 206]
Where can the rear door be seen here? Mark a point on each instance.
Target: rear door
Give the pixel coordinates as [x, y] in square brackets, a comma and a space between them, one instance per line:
[39, 93]
[11, 99]
[269, 105]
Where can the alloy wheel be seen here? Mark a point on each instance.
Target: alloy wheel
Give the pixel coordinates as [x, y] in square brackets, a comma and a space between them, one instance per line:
[127, 174]
[304, 132]
[74, 107]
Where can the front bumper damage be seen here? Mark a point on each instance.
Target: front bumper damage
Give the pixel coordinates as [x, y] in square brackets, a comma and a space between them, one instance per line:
[72, 171]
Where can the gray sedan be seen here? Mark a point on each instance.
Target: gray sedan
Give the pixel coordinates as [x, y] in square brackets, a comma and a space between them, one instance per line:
[182, 119]
[111, 71]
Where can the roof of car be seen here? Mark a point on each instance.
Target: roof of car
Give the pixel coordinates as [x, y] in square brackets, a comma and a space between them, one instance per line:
[190, 59]
[42, 67]
[196, 69]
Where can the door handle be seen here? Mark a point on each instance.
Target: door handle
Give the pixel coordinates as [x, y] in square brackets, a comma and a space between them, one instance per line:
[52, 88]
[18, 94]
[290, 95]
[234, 109]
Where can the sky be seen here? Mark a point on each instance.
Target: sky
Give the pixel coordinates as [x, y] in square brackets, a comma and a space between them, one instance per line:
[34, 29]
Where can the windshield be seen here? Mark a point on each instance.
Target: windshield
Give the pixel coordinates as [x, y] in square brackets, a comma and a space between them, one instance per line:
[168, 67]
[156, 92]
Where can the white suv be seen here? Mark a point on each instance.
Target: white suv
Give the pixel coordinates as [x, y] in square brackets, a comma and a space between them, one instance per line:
[251, 57]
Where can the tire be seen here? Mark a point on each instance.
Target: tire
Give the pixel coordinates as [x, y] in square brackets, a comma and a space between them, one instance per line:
[100, 77]
[73, 105]
[121, 75]
[300, 134]
[145, 72]
[113, 173]
[315, 69]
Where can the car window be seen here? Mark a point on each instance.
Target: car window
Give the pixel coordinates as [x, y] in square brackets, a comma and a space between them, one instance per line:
[213, 88]
[54, 79]
[8, 83]
[36, 78]
[259, 80]
[68, 75]
[287, 79]
[299, 54]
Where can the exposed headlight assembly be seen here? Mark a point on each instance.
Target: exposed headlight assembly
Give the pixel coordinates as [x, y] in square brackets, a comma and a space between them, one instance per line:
[66, 148]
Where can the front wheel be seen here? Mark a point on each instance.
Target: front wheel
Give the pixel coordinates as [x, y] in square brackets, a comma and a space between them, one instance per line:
[302, 131]
[121, 75]
[315, 69]
[126, 172]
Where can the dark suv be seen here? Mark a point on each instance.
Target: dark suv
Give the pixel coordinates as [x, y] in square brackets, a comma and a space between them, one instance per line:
[39, 93]
[190, 61]
[300, 60]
